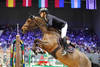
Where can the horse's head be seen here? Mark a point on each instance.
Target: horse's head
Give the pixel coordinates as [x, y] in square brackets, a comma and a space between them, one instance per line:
[33, 23]
[29, 24]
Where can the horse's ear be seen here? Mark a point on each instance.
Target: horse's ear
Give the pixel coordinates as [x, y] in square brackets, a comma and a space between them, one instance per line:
[32, 17]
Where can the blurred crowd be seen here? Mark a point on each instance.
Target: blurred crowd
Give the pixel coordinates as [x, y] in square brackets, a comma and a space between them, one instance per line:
[85, 40]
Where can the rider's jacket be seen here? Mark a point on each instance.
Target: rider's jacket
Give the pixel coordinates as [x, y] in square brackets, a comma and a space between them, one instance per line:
[55, 22]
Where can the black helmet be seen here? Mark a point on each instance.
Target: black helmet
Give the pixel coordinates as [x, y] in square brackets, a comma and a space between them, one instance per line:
[43, 10]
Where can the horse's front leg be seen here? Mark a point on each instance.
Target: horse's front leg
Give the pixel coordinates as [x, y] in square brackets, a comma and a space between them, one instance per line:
[37, 43]
[40, 43]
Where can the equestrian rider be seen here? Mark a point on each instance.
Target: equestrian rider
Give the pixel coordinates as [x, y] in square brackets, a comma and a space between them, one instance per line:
[50, 19]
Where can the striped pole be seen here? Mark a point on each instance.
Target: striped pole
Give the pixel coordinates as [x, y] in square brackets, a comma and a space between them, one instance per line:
[13, 54]
[17, 51]
[22, 49]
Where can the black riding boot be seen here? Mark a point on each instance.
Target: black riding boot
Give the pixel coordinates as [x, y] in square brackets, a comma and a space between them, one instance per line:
[65, 45]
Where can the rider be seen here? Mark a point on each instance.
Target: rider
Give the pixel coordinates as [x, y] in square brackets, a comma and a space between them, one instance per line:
[50, 19]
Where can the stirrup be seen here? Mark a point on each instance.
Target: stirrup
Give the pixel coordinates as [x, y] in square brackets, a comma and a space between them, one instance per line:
[70, 49]
[64, 52]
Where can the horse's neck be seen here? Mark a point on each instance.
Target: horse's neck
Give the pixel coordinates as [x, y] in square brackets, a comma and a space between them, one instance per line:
[43, 29]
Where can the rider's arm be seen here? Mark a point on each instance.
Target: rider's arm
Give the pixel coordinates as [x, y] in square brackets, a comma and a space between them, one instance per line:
[58, 19]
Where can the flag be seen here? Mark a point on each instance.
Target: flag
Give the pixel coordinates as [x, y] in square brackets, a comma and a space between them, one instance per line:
[75, 3]
[27, 3]
[43, 3]
[10, 3]
[90, 4]
[59, 3]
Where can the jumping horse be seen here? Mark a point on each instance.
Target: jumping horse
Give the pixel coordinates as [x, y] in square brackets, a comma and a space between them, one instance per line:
[50, 43]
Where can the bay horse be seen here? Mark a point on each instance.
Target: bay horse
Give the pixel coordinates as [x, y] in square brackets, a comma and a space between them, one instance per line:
[50, 43]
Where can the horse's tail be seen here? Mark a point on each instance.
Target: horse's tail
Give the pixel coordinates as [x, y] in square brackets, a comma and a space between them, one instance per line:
[95, 65]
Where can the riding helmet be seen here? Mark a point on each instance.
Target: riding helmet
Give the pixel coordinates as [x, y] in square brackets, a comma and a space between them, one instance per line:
[43, 10]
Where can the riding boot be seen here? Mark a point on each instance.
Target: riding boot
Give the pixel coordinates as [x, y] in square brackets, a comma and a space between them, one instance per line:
[68, 48]
[64, 44]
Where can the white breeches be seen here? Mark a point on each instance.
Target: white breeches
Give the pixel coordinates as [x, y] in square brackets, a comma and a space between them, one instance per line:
[64, 31]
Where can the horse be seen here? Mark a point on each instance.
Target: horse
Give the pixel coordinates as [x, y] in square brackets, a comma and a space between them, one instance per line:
[50, 43]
